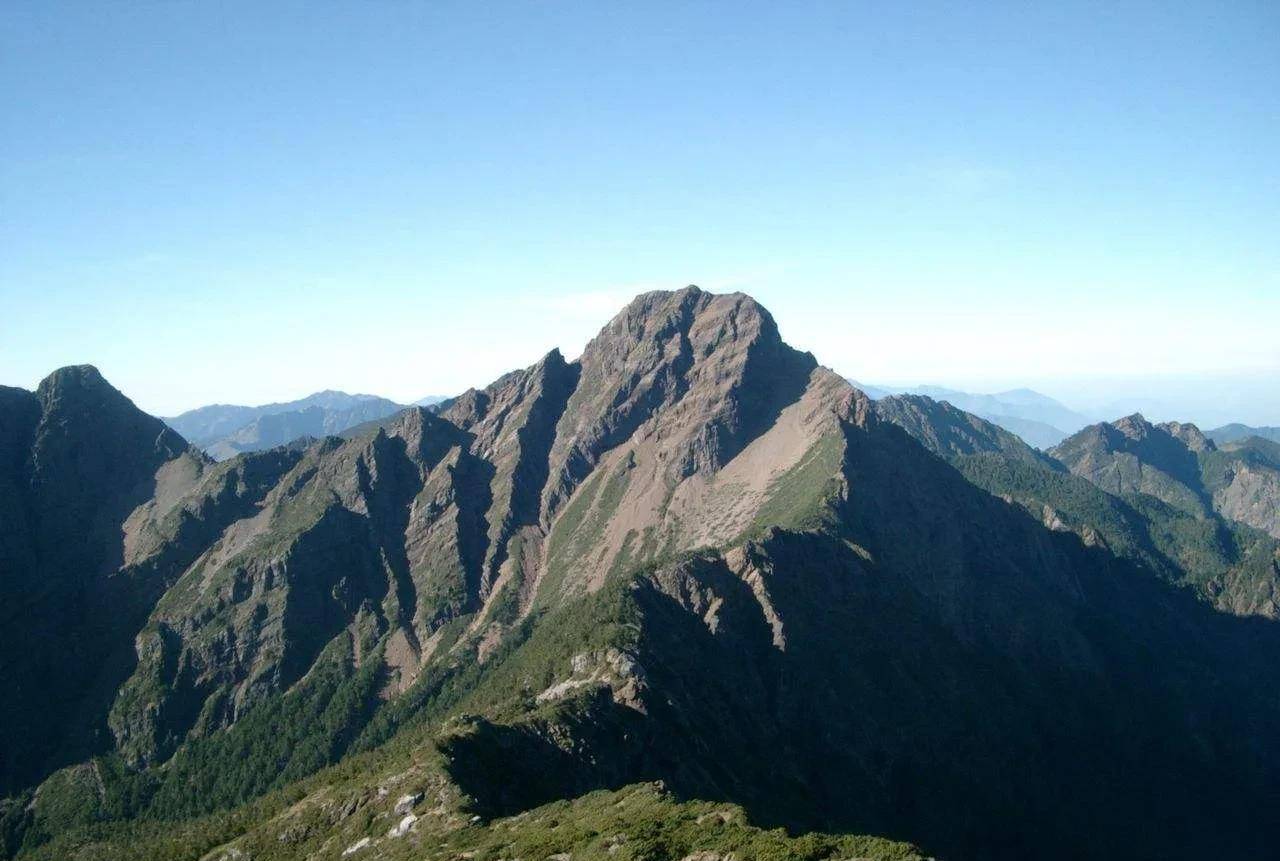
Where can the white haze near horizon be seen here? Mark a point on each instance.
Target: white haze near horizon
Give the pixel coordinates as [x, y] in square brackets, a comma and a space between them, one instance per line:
[1134, 361]
[411, 199]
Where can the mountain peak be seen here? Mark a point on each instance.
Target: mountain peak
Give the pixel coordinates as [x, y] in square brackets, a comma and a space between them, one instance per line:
[653, 304]
[82, 389]
[1190, 435]
[79, 401]
[72, 378]
[1134, 426]
[659, 314]
[688, 291]
[691, 555]
[553, 358]
[702, 373]
[1133, 455]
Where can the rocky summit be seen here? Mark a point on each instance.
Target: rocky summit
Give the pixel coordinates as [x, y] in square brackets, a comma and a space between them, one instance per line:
[1179, 465]
[690, 595]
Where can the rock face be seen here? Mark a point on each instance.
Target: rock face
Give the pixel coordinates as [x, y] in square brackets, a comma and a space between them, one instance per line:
[78, 459]
[1179, 465]
[683, 414]
[1244, 478]
[693, 555]
[1131, 455]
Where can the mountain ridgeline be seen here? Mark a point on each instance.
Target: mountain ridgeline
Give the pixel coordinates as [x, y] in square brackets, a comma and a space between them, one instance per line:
[1238, 432]
[692, 574]
[1180, 466]
[225, 430]
[1038, 419]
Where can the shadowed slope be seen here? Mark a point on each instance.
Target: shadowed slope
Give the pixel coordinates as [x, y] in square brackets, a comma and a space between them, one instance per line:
[691, 555]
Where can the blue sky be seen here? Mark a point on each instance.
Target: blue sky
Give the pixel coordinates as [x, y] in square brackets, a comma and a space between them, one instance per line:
[246, 202]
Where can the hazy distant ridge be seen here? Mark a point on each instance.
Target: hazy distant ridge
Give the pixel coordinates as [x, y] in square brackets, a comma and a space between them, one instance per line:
[1236, 432]
[225, 430]
[1037, 418]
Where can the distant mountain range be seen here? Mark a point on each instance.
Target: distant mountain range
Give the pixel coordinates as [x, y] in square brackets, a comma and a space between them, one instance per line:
[688, 596]
[1237, 432]
[1038, 419]
[225, 430]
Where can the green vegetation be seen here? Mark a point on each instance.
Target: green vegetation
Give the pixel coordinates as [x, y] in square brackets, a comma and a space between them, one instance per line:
[283, 738]
[580, 525]
[644, 823]
[605, 618]
[637, 823]
[333, 712]
[900, 652]
[798, 498]
[270, 752]
[1217, 467]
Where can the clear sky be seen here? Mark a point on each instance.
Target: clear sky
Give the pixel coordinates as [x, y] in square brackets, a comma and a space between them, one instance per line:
[244, 202]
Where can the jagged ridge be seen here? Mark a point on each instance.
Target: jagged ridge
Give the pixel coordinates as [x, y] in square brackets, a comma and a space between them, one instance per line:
[693, 555]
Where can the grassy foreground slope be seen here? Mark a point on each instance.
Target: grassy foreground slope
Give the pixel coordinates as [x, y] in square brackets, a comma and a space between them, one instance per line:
[642, 822]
